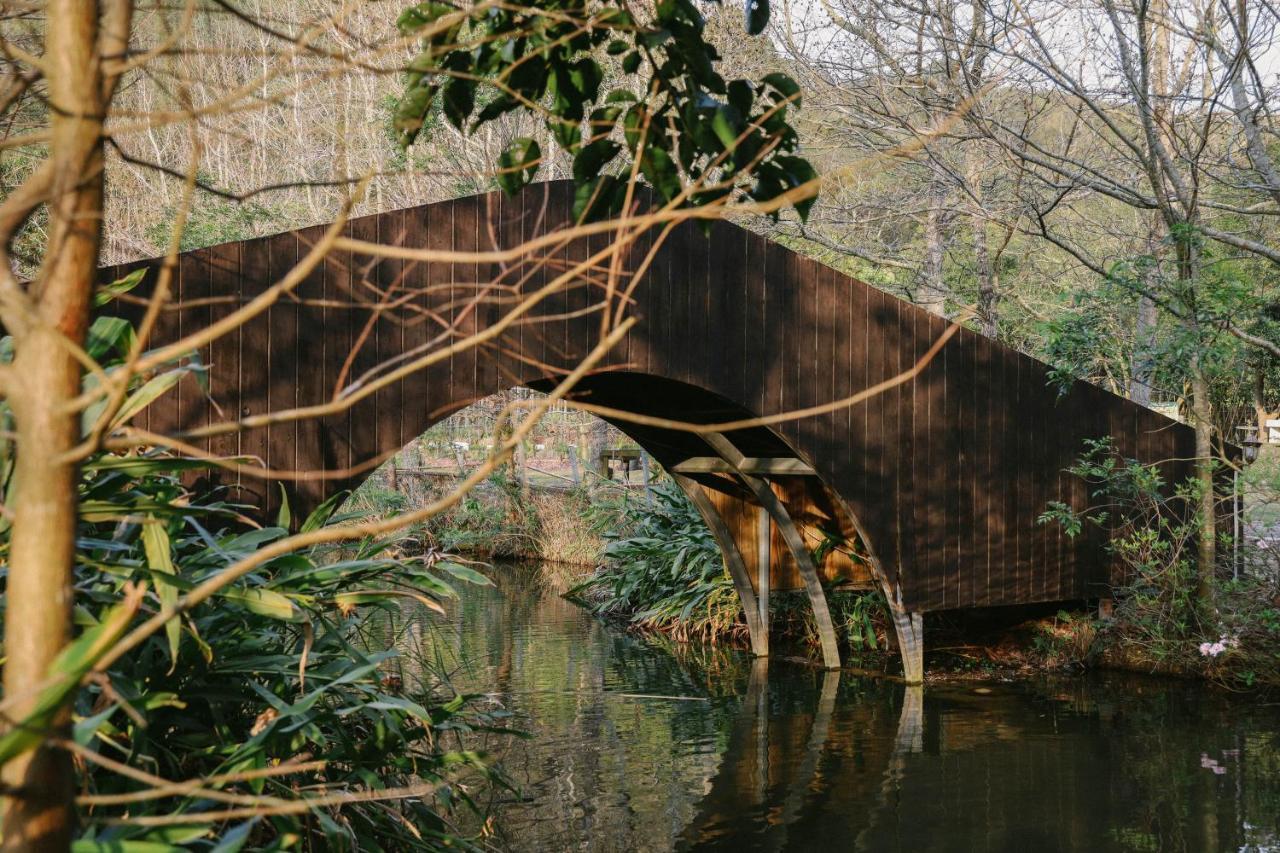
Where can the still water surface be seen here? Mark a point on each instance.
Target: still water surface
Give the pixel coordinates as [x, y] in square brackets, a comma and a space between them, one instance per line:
[642, 746]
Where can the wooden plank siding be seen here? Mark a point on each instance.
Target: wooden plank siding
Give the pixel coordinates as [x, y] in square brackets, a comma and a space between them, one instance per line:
[945, 474]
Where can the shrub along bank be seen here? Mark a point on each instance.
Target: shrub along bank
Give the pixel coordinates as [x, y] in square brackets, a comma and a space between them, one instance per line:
[663, 572]
[209, 734]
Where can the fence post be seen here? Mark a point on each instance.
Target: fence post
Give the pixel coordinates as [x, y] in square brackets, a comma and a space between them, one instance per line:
[644, 473]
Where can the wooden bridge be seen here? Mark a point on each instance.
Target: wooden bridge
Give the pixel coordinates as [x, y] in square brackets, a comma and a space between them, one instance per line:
[930, 489]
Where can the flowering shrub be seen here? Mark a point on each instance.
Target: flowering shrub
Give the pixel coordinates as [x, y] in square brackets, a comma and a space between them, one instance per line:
[1158, 622]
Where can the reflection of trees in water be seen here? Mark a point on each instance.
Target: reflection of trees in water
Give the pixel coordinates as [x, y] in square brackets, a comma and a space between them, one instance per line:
[792, 759]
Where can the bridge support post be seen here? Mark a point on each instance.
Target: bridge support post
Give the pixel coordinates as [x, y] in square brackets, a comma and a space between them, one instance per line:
[808, 571]
[909, 627]
[764, 495]
[758, 630]
[764, 559]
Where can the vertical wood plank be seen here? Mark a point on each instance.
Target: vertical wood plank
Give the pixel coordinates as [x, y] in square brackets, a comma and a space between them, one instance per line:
[282, 385]
[256, 363]
[224, 353]
[313, 340]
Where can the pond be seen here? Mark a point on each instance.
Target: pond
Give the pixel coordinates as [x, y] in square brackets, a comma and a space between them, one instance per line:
[644, 745]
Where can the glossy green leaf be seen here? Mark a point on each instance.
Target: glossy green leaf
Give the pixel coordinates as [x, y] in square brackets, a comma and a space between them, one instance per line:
[108, 292]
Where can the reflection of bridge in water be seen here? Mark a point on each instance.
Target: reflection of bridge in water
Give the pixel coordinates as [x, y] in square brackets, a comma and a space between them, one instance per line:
[642, 745]
[931, 489]
[876, 768]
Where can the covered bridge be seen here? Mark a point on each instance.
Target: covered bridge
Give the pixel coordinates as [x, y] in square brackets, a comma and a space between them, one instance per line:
[931, 488]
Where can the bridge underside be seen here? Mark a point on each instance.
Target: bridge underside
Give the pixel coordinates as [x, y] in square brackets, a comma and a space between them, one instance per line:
[930, 489]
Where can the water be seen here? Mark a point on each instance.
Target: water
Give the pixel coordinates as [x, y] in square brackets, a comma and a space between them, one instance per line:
[646, 746]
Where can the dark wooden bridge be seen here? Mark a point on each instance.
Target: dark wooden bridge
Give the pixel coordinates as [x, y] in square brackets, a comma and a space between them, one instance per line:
[930, 489]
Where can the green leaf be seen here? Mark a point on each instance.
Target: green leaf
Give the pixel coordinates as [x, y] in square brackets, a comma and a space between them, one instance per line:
[727, 124]
[597, 199]
[518, 163]
[756, 13]
[107, 333]
[418, 16]
[320, 516]
[108, 292]
[84, 730]
[464, 573]
[593, 158]
[284, 516]
[381, 596]
[234, 839]
[631, 62]
[92, 845]
[155, 541]
[787, 87]
[411, 113]
[660, 170]
[459, 98]
[265, 602]
[150, 391]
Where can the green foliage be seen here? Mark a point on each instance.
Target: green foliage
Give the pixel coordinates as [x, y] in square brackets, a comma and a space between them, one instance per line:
[1159, 620]
[1092, 337]
[694, 136]
[1151, 530]
[211, 222]
[666, 574]
[275, 668]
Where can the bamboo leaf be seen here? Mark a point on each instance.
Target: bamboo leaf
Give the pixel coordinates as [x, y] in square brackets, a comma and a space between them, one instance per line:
[67, 669]
[464, 573]
[155, 541]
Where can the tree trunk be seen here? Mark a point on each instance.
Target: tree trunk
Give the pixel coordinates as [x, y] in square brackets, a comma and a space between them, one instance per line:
[38, 811]
[988, 297]
[1144, 333]
[932, 295]
[1202, 415]
[1207, 545]
[597, 444]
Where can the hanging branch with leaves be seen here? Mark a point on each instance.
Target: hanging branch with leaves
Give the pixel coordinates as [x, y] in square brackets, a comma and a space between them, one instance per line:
[696, 138]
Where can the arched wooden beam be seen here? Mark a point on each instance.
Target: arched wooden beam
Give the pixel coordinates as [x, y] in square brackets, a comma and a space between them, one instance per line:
[764, 495]
[758, 629]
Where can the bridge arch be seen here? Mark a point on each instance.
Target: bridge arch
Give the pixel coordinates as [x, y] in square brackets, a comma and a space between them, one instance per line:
[944, 475]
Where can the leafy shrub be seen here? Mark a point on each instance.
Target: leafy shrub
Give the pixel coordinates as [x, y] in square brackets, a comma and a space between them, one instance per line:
[264, 716]
[666, 574]
[1158, 621]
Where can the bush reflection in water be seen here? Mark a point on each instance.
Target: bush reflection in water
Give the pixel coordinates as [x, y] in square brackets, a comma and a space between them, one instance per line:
[641, 745]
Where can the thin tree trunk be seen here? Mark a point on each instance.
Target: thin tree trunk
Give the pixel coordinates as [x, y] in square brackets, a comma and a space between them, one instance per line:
[38, 812]
[1202, 416]
[988, 298]
[597, 444]
[932, 295]
[1144, 333]
[1207, 546]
